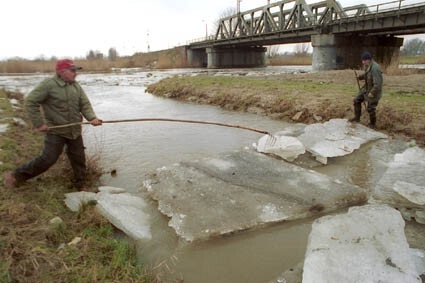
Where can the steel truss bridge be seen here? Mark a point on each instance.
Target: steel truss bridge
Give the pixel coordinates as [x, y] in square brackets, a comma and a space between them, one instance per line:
[295, 21]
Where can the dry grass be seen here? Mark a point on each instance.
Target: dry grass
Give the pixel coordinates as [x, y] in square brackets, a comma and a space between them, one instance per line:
[394, 70]
[166, 59]
[290, 60]
[31, 249]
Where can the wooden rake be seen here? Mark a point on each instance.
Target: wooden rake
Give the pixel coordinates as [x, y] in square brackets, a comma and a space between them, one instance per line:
[271, 140]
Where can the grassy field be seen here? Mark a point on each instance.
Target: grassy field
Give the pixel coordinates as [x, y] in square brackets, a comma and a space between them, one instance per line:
[313, 96]
[290, 60]
[32, 249]
[412, 60]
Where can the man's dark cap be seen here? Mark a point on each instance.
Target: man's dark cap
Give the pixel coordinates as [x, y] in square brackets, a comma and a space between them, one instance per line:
[366, 56]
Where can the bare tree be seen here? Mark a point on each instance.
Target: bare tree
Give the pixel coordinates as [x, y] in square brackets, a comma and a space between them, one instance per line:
[273, 51]
[94, 55]
[112, 54]
[40, 57]
[230, 11]
[90, 55]
[99, 55]
[301, 49]
[413, 47]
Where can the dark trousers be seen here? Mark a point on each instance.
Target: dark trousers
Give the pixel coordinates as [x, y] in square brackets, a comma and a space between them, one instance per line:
[53, 148]
[371, 107]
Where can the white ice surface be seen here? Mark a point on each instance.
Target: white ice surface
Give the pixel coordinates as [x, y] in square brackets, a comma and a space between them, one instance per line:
[123, 210]
[337, 137]
[289, 148]
[367, 244]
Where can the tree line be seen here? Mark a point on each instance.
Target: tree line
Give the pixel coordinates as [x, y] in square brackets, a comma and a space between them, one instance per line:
[413, 47]
[96, 54]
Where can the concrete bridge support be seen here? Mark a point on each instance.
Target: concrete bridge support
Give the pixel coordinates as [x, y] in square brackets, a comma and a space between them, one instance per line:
[246, 57]
[197, 58]
[331, 52]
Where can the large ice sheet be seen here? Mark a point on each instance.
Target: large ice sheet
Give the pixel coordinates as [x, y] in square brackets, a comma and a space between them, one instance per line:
[403, 184]
[123, 210]
[240, 190]
[289, 148]
[367, 244]
[337, 137]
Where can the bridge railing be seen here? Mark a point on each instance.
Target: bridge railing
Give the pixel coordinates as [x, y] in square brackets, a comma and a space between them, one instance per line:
[292, 15]
[362, 9]
[200, 39]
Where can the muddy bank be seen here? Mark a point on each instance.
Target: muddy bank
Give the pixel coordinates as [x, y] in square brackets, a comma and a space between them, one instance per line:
[306, 97]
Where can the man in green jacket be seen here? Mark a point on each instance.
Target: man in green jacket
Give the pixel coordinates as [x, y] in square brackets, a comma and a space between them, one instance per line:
[63, 101]
[371, 92]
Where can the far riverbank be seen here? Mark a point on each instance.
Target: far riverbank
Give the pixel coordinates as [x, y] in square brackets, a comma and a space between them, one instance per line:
[307, 97]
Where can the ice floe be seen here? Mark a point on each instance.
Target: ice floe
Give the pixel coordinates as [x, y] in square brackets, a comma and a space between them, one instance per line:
[125, 211]
[241, 190]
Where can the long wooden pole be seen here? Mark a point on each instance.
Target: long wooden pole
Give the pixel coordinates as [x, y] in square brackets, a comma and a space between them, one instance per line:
[166, 120]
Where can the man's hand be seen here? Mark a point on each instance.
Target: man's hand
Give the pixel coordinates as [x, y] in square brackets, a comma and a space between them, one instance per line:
[370, 95]
[43, 129]
[96, 122]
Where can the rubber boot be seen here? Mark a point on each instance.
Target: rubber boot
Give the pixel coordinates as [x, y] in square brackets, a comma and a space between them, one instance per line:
[372, 117]
[357, 112]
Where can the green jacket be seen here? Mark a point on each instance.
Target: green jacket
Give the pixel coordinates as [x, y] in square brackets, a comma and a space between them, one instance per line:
[373, 82]
[62, 103]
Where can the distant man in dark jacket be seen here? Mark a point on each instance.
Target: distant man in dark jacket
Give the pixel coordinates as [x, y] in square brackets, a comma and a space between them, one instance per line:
[63, 101]
[371, 92]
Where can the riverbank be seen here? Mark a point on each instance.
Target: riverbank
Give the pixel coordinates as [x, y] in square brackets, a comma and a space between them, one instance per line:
[169, 59]
[307, 97]
[78, 247]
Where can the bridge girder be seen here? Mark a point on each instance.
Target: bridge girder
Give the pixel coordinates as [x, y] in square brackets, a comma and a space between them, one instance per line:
[294, 21]
[275, 18]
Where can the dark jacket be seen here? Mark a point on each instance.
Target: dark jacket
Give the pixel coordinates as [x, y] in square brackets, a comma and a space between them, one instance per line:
[373, 82]
[62, 103]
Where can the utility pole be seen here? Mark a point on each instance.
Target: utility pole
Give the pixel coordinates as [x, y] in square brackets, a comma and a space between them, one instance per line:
[206, 29]
[147, 42]
[239, 5]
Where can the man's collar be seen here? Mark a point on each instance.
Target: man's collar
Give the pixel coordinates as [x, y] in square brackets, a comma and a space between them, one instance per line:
[60, 81]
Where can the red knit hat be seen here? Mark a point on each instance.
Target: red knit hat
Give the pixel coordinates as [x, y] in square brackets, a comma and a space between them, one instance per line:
[66, 64]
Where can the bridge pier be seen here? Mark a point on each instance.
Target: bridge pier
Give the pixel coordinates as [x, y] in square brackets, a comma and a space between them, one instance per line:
[331, 52]
[196, 58]
[241, 57]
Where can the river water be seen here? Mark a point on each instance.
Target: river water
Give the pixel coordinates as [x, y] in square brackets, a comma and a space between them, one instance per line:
[134, 149]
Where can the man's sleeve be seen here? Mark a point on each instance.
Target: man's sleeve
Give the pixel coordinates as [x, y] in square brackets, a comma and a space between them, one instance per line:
[33, 102]
[377, 82]
[85, 106]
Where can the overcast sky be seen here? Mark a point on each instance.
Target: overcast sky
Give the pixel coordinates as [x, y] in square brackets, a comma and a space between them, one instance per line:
[30, 28]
